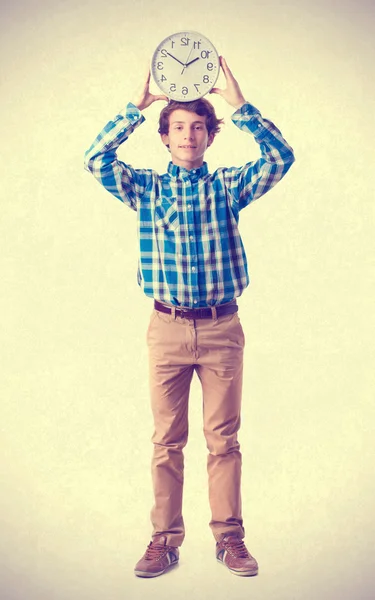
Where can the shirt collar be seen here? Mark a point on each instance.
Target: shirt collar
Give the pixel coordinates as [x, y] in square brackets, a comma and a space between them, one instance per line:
[175, 171]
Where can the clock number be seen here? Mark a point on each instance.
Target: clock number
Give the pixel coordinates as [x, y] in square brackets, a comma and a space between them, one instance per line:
[210, 66]
[185, 41]
[206, 79]
[196, 85]
[160, 66]
[185, 90]
[164, 53]
[163, 78]
[172, 87]
[197, 45]
[172, 43]
[206, 53]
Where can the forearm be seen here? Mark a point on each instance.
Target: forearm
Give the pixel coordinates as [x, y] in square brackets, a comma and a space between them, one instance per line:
[274, 148]
[112, 136]
[101, 160]
[256, 178]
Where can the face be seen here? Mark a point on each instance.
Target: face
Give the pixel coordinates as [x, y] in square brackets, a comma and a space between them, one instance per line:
[187, 138]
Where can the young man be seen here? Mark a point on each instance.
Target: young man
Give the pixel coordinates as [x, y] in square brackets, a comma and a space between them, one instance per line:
[192, 263]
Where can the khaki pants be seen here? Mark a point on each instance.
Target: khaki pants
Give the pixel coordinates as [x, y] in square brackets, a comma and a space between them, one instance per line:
[214, 349]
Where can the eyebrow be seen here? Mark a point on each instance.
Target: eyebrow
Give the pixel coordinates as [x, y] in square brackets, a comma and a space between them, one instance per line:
[193, 123]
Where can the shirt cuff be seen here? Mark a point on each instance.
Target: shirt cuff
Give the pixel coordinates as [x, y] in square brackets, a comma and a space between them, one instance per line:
[131, 113]
[248, 118]
[245, 109]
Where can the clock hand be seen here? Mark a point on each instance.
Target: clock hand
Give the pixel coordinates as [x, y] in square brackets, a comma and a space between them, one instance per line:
[191, 62]
[171, 55]
[187, 60]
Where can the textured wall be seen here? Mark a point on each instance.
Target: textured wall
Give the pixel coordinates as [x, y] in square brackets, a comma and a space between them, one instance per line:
[75, 488]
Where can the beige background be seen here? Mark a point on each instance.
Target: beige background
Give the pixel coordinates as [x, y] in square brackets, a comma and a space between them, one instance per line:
[75, 423]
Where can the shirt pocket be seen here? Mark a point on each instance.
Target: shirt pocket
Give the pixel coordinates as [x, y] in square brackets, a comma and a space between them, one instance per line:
[166, 214]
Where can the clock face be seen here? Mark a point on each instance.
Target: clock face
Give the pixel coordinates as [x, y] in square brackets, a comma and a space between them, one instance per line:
[185, 66]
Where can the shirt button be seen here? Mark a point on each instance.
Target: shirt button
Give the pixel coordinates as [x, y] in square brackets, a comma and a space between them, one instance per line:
[195, 301]
[259, 125]
[189, 205]
[191, 238]
[193, 268]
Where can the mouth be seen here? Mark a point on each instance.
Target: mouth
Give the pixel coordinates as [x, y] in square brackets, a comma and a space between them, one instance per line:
[187, 147]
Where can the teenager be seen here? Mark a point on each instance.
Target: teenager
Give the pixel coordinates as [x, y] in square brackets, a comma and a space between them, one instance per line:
[193, 264]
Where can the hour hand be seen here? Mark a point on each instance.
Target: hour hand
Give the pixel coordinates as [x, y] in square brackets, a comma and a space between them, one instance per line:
[171, 55]
[191, 62]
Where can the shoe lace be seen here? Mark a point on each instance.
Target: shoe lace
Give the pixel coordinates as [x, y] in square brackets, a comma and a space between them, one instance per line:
[236, 547]
[155, 551]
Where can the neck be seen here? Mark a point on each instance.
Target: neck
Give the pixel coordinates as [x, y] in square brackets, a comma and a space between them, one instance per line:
[188, 164]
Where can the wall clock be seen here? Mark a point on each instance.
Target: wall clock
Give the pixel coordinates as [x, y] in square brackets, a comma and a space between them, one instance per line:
[185, 66]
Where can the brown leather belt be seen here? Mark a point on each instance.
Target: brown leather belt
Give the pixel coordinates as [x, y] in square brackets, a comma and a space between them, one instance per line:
[197, 313]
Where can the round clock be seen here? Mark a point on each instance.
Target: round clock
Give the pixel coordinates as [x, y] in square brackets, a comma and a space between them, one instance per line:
[185, 66]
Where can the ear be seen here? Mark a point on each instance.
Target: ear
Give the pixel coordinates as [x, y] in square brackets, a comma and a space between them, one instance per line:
[211, 138]
[165, 138]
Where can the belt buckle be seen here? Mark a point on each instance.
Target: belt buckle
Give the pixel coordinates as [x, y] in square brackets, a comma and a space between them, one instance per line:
[200, 312]
[195, 313]
[191, 313]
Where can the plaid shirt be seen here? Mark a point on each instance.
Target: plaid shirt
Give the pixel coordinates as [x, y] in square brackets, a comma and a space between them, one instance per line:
[191, 252]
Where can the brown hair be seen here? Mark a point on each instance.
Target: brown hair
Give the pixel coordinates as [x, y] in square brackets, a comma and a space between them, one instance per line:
[201, 107]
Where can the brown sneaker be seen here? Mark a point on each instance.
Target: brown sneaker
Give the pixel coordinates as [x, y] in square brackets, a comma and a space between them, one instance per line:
[157, 558]
[232, 552]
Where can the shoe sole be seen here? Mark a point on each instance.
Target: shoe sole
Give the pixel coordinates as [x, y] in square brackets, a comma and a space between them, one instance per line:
[240, 573]
[147, 574]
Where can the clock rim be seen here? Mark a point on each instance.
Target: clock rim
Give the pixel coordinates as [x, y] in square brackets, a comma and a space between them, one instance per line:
[186, 31]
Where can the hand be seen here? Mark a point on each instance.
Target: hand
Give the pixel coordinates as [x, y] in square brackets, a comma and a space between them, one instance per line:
[232, 93]
[171, 55]
[145, 97]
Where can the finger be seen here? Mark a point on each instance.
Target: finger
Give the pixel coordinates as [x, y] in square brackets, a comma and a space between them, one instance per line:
[216, 91]
[146, 77]
[224, 65]
[161, 97]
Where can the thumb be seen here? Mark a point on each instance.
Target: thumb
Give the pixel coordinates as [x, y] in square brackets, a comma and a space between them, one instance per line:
[216, 90]
[161, 97]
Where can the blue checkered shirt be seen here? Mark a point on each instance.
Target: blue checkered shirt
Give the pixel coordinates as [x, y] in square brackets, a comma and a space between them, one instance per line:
[190, 249]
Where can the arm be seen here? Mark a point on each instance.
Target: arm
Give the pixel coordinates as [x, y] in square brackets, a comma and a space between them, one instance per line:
[255, 178]
[101, 160]
[124, 182]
